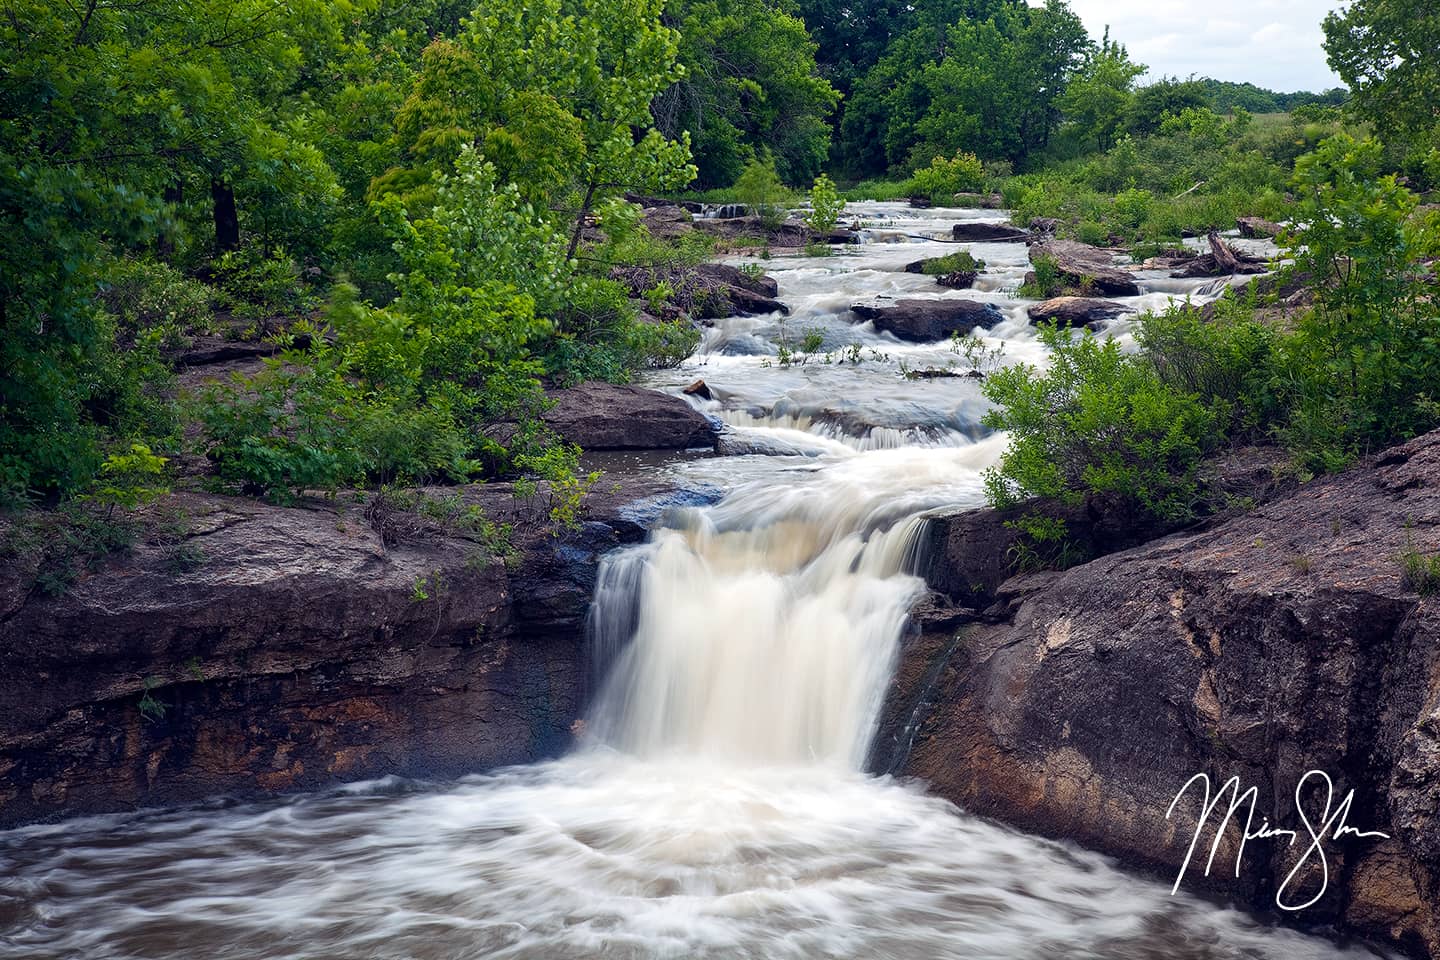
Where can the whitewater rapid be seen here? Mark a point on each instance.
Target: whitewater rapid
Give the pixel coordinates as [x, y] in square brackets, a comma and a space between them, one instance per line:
[715, 805]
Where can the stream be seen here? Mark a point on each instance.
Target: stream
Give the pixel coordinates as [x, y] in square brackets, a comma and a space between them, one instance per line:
[718, 807]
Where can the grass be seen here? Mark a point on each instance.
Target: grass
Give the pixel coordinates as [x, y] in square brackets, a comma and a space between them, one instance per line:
[1419, 572]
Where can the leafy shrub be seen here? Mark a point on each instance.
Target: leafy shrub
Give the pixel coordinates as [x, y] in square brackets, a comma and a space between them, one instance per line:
[262, 284]
[1419, 572]
[147, 294]
[1230, 363]
[962, 262]
[944, 178]
[760, 189]
[1047, 283]
[1097, 422]
[826, 205]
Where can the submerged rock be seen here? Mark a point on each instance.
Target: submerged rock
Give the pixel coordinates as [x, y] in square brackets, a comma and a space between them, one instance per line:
[1083, 266]
[607, 416]
[926, 321]
[1280, 641]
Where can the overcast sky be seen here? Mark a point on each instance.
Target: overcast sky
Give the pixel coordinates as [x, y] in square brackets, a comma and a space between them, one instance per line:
[1270, 43]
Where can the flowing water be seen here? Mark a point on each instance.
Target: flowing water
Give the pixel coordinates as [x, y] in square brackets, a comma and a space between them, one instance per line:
[718, 808]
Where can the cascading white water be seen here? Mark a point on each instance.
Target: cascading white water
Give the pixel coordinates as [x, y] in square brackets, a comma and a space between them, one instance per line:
[765, 628]
[718, 811]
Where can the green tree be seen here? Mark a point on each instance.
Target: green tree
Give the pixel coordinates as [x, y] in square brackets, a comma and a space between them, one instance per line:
[750, 85]
[552, 93]
[1097, 99]
[1385, 51]
[1167, 96]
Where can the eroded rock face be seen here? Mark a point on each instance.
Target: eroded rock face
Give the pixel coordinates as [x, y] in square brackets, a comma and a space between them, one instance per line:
[926, 321]
[1081, 265]
[294, 648]
[1280, 641]
[607, 416]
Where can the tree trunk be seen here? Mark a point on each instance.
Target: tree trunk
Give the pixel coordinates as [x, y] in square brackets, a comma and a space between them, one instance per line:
[165, 243]
[227, 221]
[580, 221]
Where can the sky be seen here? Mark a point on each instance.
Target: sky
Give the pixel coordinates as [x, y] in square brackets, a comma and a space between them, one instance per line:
[1271, 43]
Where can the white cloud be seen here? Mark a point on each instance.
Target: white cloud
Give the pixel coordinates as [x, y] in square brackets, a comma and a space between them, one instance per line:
[1272, 43]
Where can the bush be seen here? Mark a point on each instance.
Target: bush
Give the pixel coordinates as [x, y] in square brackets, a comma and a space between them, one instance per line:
[826, 205]
[1097, 423]
[944, 178]
[961, 262]
[760, 189]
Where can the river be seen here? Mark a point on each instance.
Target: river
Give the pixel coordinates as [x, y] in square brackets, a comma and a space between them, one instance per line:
[717, 807]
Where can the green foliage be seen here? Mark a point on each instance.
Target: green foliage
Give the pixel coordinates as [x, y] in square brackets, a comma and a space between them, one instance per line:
[944, 178]
[750, 88]
[128, 479]
[1042, 543]
[961, 262]
[826, 205]
[1419, 572]
[983, 77]
[1096, 423]
[1097, 101]
[760, 189]
[1047, 282]
[1366, 360]
[1384, 50]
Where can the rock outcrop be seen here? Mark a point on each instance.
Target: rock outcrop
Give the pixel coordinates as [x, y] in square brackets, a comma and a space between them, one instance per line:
[980, 232]
[1277, 642]
[1076, 311]
[250, 649]
[608, 416]
[708, 291]
[1085, 267]
[926, 321]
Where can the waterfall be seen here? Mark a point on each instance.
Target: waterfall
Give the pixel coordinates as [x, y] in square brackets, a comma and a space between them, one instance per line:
[763, 631]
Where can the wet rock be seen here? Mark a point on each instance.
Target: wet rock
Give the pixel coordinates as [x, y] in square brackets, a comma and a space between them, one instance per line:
[248, 649]
[958, 279]
[1272, 643]
[977, 232]
[926, 321]
[1075, 311]
[1257, 227]
[698, 389]
[607, 416]
[1086, 267]
[735, 277]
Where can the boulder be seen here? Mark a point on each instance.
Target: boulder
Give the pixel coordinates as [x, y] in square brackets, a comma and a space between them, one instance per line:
[926, 321]
[1076, 311]
[693, 206]
[708, 291]
[974, 231]
[735, 277]
[607, 416]
[1083, 266]
[1264, 645]
[1258, 228]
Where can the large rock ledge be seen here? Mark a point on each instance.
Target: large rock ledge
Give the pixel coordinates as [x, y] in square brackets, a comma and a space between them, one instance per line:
[291, 648]
[1277, 642]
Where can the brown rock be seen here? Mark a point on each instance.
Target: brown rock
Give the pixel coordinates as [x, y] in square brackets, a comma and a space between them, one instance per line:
[1256, 227]
[1276, 642]
[607, 416]
[926, 321]
[1075, 311]
[698, 389]
[1084, 266]
[288, 648]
